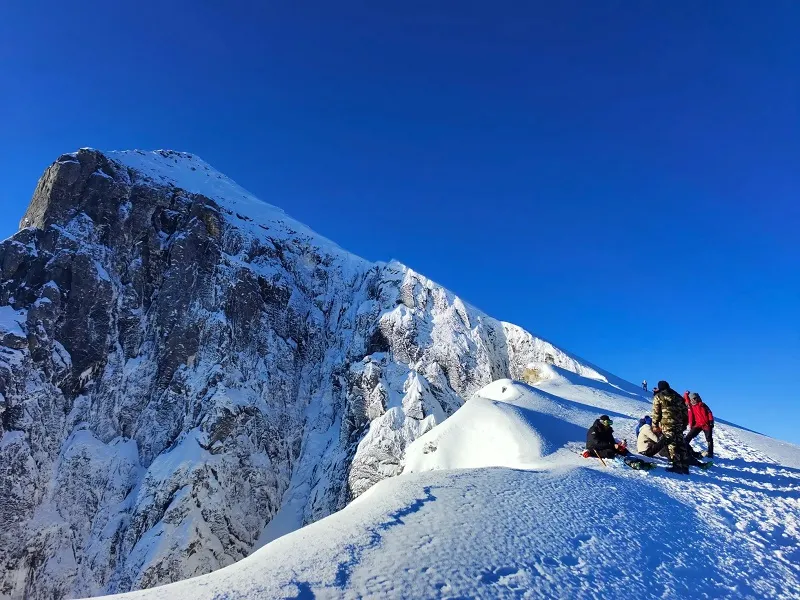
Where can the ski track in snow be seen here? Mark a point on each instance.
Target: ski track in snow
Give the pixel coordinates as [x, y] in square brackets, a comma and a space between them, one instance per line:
[554, 526]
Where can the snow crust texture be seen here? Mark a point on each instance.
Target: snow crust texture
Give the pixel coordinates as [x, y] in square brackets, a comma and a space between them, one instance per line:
[187, 373]
[476, 516]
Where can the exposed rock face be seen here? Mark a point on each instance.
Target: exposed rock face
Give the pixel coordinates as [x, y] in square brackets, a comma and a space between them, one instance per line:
[180, 362]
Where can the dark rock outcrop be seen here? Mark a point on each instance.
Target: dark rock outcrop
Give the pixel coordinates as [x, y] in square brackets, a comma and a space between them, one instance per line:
[179, 362]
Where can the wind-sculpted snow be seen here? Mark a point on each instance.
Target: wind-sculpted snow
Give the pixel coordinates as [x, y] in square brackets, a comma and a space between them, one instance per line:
[472, 516]
[187, 373]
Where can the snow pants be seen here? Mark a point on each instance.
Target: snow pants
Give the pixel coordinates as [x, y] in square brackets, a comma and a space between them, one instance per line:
[709, 433]
[677, 449]
[659, 448]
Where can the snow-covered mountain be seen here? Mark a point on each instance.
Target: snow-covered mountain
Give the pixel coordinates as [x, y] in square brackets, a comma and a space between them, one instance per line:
[187, 373]
[497, 503]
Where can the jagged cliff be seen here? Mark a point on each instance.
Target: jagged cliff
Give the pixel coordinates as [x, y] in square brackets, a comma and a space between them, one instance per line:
[187, 372]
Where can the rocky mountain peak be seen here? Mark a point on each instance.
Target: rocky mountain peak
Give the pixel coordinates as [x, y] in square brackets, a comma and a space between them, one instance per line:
[186, 372]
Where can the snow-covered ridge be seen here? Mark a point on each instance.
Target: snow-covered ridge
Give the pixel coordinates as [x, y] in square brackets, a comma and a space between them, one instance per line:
[187, 373]
[191, 173]
[496, 502]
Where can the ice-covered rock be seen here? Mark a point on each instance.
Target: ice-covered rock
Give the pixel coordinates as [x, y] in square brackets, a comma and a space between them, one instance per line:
[186, 372]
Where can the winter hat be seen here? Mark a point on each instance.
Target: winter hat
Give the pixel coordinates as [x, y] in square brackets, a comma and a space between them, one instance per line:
[663, 386]
[604, 418]
[694, 397]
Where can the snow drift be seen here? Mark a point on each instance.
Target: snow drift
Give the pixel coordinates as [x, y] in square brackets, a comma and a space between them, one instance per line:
[480, 514]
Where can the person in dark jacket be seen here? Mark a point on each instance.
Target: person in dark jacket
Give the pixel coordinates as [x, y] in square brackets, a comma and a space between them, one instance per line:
[600, 440]
[669, 415]
[700, 419]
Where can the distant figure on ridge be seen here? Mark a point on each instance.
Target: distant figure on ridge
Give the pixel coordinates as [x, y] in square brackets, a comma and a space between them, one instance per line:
[600, 440]
[700, 419]
[644, 385]
[669, 415]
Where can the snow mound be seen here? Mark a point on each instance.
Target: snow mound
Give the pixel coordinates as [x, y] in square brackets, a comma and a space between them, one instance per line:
[505, 424]
[482, 433]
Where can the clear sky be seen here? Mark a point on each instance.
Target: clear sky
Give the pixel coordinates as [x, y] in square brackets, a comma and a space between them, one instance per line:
[622, 178]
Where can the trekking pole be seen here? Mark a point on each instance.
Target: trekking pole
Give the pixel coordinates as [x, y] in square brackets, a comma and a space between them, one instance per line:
[601, 458]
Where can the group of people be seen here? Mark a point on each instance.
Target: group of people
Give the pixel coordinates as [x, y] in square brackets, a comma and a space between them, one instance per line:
[663, 432]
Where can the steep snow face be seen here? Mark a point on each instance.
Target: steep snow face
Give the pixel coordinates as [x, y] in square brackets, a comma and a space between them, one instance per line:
[479, 515]
[187, 373]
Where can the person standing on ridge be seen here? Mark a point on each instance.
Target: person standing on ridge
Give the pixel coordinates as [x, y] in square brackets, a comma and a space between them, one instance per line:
[644, 385]
[700, 419]
[669, 415]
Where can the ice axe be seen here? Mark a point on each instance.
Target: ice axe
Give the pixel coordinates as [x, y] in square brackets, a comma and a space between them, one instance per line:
[601, 458]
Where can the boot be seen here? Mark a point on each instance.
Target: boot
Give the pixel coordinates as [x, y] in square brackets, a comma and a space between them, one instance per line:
[678, 470]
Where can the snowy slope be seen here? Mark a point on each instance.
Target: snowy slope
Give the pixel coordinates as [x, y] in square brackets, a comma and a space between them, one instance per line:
[187, 373]
[496, 503]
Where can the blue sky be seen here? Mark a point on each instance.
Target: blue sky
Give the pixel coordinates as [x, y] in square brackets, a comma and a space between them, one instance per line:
[621, 178]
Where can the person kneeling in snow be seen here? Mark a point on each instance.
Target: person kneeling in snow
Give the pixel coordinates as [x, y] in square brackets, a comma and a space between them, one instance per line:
[600, 440]
[648, 442]
[700, 419]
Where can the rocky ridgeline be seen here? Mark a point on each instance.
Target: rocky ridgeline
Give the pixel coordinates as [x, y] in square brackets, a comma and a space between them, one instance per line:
[174, 371]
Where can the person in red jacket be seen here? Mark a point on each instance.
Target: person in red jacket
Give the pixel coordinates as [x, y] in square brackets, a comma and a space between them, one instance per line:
[700, 419]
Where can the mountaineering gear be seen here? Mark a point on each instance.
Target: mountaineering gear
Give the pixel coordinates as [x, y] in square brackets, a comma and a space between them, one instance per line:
[699, 414]
[639, 464]
[644, 420]
[661, 449]
[677, 449]
[648, 443]
[645, 465]
[600, 436]
[600, 439]
[709, 433]
[669, 413]
[700, 419]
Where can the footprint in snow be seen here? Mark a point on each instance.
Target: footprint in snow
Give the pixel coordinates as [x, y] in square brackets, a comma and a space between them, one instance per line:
[497, 574]
[581, 540]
